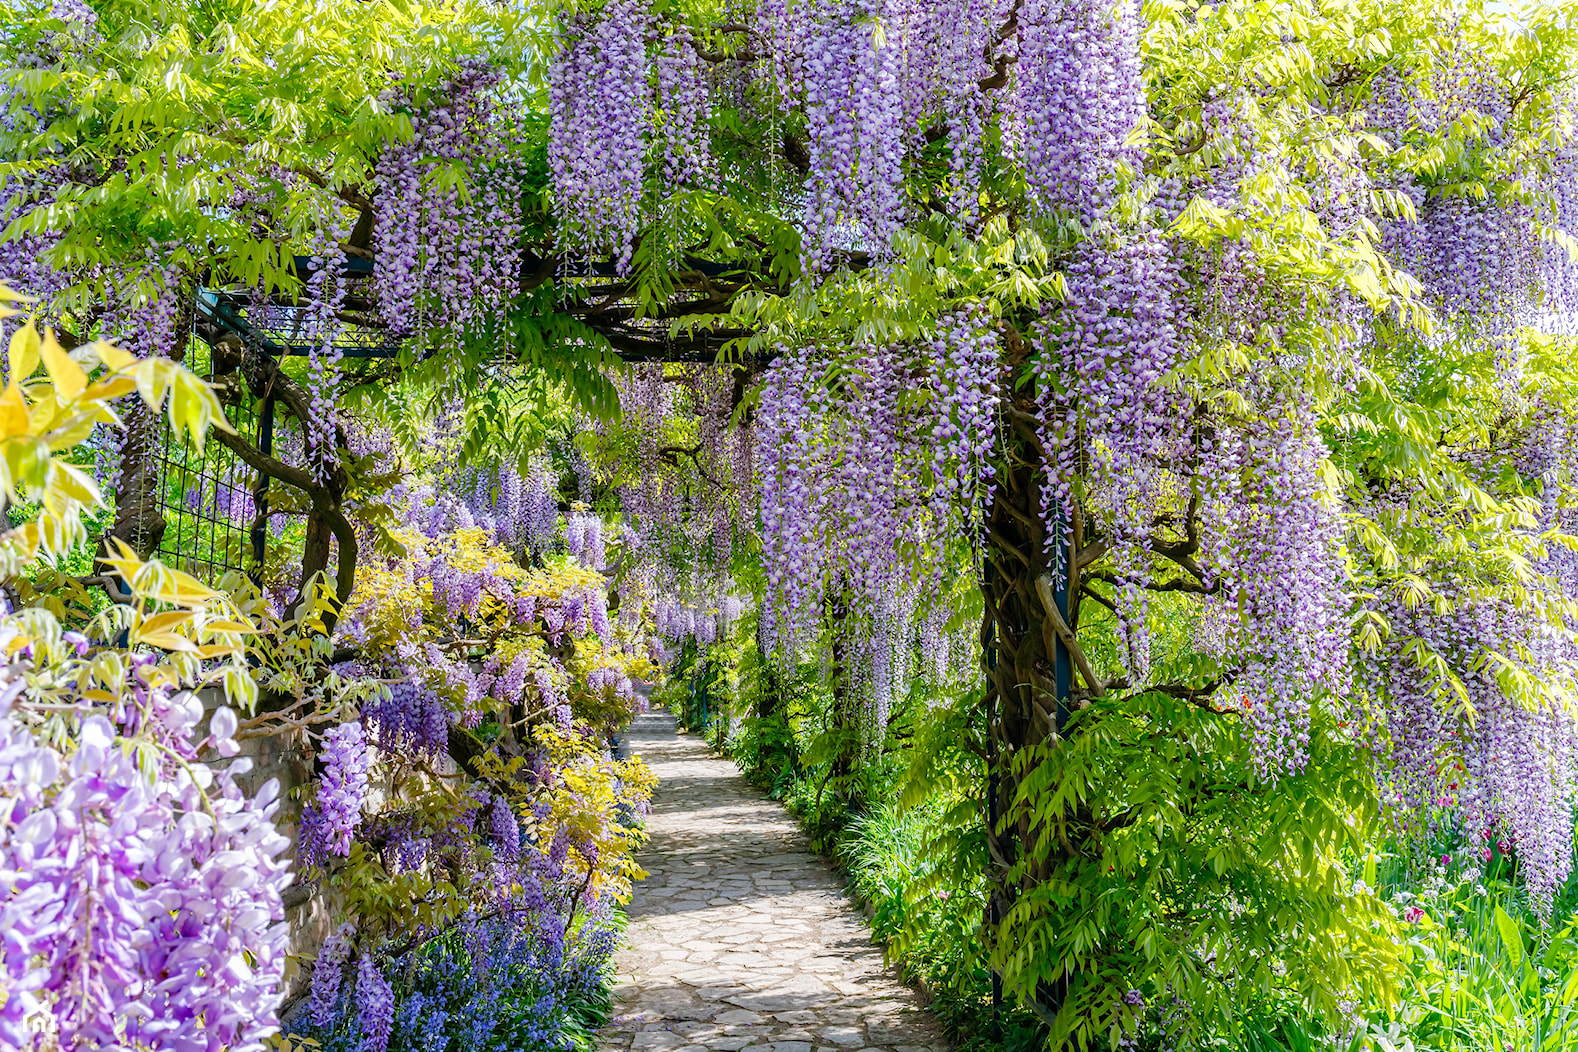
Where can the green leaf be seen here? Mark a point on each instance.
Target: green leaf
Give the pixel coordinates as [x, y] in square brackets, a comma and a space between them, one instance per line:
[1511, 936]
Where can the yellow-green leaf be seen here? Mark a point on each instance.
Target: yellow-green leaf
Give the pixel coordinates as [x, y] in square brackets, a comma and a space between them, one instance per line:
[65, 374]
[23, 357]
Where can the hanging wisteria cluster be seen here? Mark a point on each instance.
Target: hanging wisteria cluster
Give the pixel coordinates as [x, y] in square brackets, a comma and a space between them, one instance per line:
[141, 905]
[597, 142]
[449, 257]
[793, 398]
[1102, 356]
[1270, 541]
[323, 293]
[346, 759]
[583, 536]
[1079, 99]
[870, 77]
[968, 377]
[682, 110]
[854, 119]
[861, 498]
[1510, 772]
[412, 718]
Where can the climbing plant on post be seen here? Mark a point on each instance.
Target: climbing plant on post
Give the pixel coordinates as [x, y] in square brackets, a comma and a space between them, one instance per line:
[1217, 283]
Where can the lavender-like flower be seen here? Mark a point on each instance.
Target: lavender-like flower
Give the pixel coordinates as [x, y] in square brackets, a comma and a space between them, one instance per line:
[505, 829]
[119, 911]
[343, 787]
[854, 116]
[328, 972]
[597, 89]
[375, 1005]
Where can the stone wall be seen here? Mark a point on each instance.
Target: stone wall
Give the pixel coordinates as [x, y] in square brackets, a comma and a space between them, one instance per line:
[289, 758]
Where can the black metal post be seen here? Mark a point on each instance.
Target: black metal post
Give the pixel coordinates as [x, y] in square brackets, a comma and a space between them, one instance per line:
[1063, 661]
[260, 491]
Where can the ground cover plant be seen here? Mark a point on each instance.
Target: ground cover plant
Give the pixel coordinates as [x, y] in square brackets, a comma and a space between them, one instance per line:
[1108, 465]
[1483, 965]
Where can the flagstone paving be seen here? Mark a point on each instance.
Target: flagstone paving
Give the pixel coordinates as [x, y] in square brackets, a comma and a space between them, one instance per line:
[740, 937]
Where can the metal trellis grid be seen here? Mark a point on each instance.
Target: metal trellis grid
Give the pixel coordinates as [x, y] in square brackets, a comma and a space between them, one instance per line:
[216, 508]
[207, 498]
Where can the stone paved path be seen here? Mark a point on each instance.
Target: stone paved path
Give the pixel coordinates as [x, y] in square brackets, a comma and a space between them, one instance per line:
[740, 937]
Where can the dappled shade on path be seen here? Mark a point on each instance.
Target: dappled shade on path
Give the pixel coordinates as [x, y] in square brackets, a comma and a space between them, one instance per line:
[740, 938]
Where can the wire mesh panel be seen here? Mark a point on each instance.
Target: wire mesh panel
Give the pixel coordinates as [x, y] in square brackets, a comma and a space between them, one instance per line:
[207, 497]
[210, 500]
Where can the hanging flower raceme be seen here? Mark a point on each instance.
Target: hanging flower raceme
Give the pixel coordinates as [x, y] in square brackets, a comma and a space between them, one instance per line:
[329, 971]
[1078, 98]
[1271, 546]
[597, 88]
[1509, 772]
[583, 535]
[139, 906]
[375, 1005]
[504, 828]
[411, 717]
[347, 759]
[1100, 359]
[449, 257]
[683, 110]
[964, 35]
[791, 477]
[324, 292]
[854, 116]
[783, 26]
[966, 374]
[857, 504]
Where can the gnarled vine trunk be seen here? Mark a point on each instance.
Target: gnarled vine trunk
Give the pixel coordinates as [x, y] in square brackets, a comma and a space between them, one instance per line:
[1025, 588]
[329, 532]
[139, 518]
